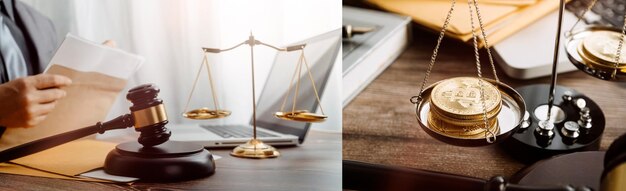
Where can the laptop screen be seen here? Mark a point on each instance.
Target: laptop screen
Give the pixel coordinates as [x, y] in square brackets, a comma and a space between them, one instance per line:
[320, 53]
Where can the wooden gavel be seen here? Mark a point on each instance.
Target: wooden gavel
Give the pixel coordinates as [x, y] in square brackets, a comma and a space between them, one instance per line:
[147, 116]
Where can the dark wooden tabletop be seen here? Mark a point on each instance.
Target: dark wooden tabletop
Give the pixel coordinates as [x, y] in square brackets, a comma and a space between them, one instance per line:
[379, 125]
[314, 165]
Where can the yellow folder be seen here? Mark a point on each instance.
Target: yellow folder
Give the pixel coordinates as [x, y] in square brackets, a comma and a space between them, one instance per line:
[65, 161]
[501, 18]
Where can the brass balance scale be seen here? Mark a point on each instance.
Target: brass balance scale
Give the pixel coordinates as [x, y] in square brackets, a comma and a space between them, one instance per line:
[475, 111]
[255, 148]
[468, 111]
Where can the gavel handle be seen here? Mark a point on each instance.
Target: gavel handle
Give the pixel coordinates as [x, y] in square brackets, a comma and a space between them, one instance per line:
[26, 149]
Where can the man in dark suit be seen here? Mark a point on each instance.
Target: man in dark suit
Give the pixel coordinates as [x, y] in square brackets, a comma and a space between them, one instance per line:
[27, 43]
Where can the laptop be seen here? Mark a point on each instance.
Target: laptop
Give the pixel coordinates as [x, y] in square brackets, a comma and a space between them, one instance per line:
[321, 52]
[528, 53]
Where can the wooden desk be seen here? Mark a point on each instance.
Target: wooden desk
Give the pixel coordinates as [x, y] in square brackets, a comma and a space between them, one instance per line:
[379, 126]
[315, 165]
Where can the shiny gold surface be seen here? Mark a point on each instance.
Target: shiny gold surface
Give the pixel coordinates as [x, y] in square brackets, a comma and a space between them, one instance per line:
[476, 131]
[614, 180]
[502, 125]
[457, 109]
[461, 97]
[596, 64]
[302, 116]
[255, 149]
[149, 116]
[601, 46]
[206, 113]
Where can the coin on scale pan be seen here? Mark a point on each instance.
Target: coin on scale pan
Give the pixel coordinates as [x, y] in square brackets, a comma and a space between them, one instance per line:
[461, 97]
[601, 46]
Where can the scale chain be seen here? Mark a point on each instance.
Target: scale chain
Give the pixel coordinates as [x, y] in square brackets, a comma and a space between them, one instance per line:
[312, 83]
[619, 48]
[195, 82]
[282, 107]
[484, 35]
[416, 99]
[580, 17]
[488, 132]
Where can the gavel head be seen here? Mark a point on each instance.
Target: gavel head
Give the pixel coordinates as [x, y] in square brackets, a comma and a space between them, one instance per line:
[149, 115]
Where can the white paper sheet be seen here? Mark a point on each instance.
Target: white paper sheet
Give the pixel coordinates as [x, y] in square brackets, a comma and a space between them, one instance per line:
[87, 56]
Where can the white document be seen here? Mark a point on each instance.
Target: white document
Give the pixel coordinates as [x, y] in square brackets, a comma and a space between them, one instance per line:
[87, 56]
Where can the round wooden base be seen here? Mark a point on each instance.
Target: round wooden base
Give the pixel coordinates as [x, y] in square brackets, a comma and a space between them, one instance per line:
[167, 162]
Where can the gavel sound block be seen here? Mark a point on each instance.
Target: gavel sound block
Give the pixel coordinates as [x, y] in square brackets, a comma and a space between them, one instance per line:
[151, 158]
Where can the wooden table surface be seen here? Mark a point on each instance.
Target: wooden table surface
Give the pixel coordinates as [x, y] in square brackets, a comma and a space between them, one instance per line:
[314, 165]
[379, 125]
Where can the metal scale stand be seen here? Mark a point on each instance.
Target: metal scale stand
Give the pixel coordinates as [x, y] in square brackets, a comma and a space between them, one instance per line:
[568, 121]
[255, 148]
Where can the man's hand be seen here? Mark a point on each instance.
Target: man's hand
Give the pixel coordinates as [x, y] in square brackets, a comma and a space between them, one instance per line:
[25, 102]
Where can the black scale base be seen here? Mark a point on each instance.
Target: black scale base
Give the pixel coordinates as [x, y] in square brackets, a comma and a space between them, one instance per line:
[170, 161]
[524, 145]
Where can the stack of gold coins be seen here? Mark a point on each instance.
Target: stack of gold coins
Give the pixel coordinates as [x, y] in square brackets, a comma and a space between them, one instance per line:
[599, 48]
[457, 108]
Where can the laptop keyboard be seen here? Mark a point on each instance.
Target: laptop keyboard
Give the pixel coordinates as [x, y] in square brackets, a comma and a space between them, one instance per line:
[604, 12]
[235, 131]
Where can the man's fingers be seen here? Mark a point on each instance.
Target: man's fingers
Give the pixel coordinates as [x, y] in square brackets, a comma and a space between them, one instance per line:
[34, 122]
[44, 109]
[50, 95]
[44, 81]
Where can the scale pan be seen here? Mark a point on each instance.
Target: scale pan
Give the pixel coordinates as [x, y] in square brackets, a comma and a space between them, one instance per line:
[509, 118]
[301, 116]
[572, 43]
[206, 113]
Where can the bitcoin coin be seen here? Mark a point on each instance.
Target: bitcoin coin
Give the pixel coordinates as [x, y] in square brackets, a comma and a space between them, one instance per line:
[595, 63]
[459, 129]
[461, 97]
[476, 132]
[601, 46]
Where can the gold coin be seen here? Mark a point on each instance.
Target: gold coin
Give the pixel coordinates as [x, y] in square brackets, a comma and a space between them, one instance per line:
[461, 97]
[206, 113]
[301, 115]
[460, 130]
[602, 47]
[460, 122]
[467, 118]
[475, 132]
[596, 64]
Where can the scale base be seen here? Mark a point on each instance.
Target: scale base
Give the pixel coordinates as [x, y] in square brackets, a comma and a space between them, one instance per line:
[526, 146]
[255, 149]
[167, 162]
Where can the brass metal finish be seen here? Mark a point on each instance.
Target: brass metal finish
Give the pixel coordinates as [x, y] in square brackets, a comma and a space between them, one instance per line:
[206, 113]
[461, 98]
[457, 108]
[508, 119]
[595, 65]
[255, 149]
[463, 106]
[601, 46]
[149, 116]
[300, 115]
[598, 50]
